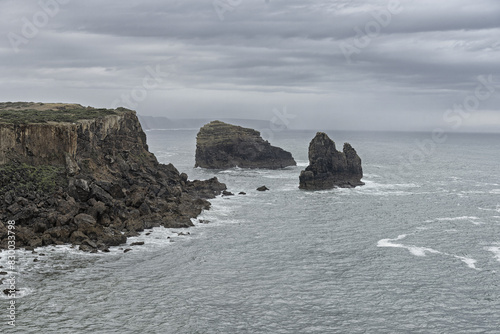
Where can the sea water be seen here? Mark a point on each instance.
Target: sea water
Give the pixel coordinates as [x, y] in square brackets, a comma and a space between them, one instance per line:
[415, 250]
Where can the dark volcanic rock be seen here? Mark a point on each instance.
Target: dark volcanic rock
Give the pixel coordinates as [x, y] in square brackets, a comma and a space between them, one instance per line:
[89, 182]
[329, 168]
[138, 243]
[263, 188]
[220, 145]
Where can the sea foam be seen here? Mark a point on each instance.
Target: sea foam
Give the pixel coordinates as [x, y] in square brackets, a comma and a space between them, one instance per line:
[495, 251]
[421, 251]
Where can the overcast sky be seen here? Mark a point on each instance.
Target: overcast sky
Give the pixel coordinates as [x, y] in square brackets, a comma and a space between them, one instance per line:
[352, 64]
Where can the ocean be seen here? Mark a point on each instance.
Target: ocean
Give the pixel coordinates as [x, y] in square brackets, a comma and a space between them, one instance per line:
[415, 250]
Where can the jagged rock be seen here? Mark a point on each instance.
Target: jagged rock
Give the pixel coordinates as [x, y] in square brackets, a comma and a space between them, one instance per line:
[138, 243]
[329, 168]
[85, 176]
[77, 237]
[227, 193]
[83, 218]
[263, 188]
[220, 145]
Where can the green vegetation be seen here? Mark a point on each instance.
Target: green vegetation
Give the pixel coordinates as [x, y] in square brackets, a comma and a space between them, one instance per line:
[29, 112]
[24, 177]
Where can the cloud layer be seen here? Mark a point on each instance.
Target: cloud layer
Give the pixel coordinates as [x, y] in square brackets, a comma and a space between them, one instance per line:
[388, 65]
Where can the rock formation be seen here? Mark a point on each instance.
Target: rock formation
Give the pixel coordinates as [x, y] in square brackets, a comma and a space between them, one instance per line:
[70, 174]
[220, 145]
[329, 168]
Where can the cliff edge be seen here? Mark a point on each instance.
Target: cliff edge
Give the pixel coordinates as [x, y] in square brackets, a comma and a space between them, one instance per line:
[329, 168]
[220, 146]
[80, 175]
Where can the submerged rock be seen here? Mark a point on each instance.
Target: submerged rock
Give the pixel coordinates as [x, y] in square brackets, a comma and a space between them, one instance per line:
[220, 146]
[329, 168]
[263, 188]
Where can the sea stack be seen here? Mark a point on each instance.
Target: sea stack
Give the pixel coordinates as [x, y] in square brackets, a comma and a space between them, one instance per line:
[329, 168]
[84, 176]
[220, 146]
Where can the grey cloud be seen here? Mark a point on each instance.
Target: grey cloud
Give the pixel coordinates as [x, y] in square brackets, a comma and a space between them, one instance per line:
[263, 54]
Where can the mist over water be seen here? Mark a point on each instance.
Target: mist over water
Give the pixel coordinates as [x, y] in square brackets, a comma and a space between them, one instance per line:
[416, 251]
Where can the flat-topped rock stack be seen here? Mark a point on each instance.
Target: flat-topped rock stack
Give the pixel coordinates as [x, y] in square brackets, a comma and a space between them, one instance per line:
[220, 146]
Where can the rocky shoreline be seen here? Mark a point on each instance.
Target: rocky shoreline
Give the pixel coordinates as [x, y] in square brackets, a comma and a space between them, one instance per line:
[84, 176]
[89, 182]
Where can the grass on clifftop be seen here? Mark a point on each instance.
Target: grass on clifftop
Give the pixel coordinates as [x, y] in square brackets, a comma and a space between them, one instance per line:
[30, 112]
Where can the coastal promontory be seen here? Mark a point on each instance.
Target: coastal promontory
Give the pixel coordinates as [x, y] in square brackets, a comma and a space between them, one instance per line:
[329, 168]
[220, 146]
[84, 176]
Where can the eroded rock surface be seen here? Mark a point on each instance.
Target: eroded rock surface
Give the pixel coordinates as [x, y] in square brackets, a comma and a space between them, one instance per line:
[220, 146]
[329, 168]
[90, 181]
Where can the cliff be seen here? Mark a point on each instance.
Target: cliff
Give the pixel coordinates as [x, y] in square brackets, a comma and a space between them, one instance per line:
[329, 168]
[220, 145]
[70, 174]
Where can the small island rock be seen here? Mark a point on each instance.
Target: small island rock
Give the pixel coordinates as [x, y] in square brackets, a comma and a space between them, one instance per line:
[329, 168]
[220, 146]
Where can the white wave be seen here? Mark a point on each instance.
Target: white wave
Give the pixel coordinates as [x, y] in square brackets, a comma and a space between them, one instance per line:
[379, 189]
[302, 163]
[372, 184]
[495, 251]
[485, 209]
[471, 263]
[374, 176]
[155, 237]
[495, 191]
[471, 192]
[280, 176]
[417, 251]
[457, 218]
[472, 219]
[421, 251]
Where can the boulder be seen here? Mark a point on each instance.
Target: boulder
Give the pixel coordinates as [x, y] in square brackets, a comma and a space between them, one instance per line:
[329, 168]
[220, 146]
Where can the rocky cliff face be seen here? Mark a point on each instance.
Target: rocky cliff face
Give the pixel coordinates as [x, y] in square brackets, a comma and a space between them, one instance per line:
[329, 168]
[220, 145]
[88, 181]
